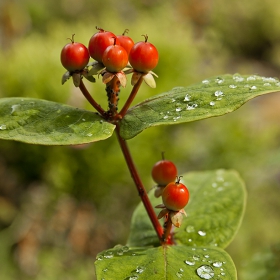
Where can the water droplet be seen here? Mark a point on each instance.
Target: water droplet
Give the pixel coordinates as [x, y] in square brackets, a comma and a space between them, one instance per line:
[179, 109]
[15, 108]
[165, 117]
[232, 86]
[187, 97]
[238, 78]
[205, 272]
[212, 103]
[278, 84]
[189, 262]
[140, 269]
[217, 264]
[173, 100]
[3, 127]
[190, 229]
[196, 257]
[201, 233]
[99, 258]
[192, 107]
[108, 255]
[206, 256]
[106, 131]
[206, 82]
[101, 121]
[85, 120]
[251, 78]
[179, 274]
[219, 81]
[134, 277]
[267, 84]
[89, 134]
[219, 93]
[120, 252]
[125, 248]
[105, 269]
[253, 87]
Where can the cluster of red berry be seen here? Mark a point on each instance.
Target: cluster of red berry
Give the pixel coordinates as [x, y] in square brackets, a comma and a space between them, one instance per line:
[111, 55]
[175, 195]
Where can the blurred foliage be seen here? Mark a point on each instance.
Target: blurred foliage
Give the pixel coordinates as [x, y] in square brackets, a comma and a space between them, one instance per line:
[59, 206]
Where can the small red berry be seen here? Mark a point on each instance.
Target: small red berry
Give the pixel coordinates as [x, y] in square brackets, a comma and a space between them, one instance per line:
[99, 42]
[164, 172]
[125, 41]
[74, 56]
[115, 58]
[175, 196]
[143, 56]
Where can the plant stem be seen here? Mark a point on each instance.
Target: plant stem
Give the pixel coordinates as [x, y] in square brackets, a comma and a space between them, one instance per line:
[90, 99]
[131, 96]
[141, 190]
[166, 237]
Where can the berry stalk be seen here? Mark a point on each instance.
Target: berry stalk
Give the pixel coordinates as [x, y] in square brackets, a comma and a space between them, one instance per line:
[131, 96]
[141, 190]
[90, 99]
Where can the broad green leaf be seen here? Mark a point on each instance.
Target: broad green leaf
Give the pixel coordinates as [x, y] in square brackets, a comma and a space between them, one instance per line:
[44, 122]
[214, 212]
[167, 262]
[210, 98]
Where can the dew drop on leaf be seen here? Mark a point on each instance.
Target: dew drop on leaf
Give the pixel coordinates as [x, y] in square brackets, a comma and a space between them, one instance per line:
[205, 272]
[189, 262]
[140, 269]
[201, 233]
[187, 97]
[217, 264]
[190, 228]
[3, 127]
[232, 86]
[212, 103]
[206, 82]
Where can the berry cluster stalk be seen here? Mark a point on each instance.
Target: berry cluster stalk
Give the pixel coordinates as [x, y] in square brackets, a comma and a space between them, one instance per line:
[141, 190]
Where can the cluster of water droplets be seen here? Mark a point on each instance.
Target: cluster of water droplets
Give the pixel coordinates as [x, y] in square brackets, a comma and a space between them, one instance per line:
[208, 270]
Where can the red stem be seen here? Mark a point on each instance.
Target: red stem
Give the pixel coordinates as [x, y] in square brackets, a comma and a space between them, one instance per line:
[90, 99]
[141, 190]
[131, 96]
[166, 237]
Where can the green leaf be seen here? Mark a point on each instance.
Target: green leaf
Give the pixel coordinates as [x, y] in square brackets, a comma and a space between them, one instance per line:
[43, 122]
[210, 98]
[214, 212]
[167, 262]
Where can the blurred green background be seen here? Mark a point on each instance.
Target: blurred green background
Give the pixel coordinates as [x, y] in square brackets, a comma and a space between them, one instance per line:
[60, 206]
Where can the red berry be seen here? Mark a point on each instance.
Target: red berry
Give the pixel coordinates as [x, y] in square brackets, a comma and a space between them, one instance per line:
[175, 196]
[164, 172]
[125, 41]
[143, 56]
[115, 58]
[99, 42]
[74, 56]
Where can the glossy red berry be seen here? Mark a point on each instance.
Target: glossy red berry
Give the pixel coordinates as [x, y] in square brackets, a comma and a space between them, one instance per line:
[164, 172]
[115, 58]
[99, 42]
[74, 56]
[143, 56]
[125, 41]
[175, 196]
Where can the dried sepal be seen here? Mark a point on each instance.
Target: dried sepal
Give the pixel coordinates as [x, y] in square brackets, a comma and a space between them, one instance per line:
[122, 78]
[97, 67]
[65, 77]
[149, 80]
[107, 77]
[160, 206]
[163, 213]
[177, 217]
[135, 77]
[76, 79]
[158, 190]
